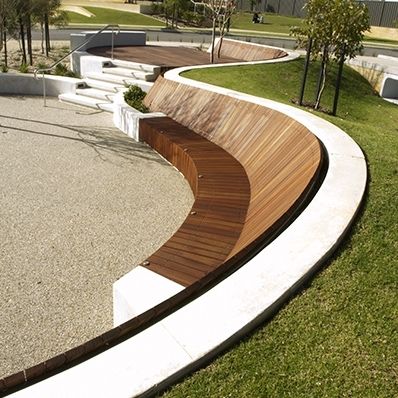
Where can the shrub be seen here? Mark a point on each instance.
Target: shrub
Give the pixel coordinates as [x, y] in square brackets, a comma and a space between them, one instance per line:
[134, 97]
[24, 68]
[41, 65]
[4, 68]
[62, 70]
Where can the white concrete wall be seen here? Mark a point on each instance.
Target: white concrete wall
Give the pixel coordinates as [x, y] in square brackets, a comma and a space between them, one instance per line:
[26, 84]
[123, 38]
[127, 119]
[82, 63]
[138, 291]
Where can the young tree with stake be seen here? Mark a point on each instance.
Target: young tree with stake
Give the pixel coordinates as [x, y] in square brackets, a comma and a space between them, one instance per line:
[336, 28]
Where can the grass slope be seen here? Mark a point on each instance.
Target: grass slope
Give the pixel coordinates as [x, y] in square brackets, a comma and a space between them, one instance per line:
[339, 336]
[279, 24]
[272, 23]
[104, 16]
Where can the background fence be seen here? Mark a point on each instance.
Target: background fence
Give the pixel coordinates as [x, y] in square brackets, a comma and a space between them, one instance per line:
[382, 13]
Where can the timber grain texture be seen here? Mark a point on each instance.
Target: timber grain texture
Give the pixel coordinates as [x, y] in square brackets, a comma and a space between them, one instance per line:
[281, 157]
[248, 51]
[222, 193]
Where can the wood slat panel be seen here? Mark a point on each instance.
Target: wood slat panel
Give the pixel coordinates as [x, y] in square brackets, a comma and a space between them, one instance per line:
[173, 57]
[165, 57]
[280, 156]
[222, 195]
[248, 51]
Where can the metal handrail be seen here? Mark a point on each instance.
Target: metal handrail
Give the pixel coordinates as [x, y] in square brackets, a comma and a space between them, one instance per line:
[43, 70]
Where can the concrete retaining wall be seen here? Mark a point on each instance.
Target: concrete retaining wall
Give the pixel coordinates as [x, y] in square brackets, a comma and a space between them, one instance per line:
[123, 38]
[26, 84]
[82, 62]
[127, 119]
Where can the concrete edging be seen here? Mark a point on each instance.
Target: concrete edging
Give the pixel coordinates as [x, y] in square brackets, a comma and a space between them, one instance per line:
[169, 349]
[26, 84]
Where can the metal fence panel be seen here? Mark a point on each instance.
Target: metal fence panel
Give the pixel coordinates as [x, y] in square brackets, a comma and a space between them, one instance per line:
[382, 13]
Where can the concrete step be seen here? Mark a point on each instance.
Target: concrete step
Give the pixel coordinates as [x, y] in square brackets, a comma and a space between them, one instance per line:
[86, 101]
[130, 73]
[96, 93]
[155, 69]
[102, 85]
[118, 81]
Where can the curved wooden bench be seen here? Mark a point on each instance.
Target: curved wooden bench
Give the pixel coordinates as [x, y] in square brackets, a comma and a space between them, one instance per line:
[281, 157]
[263, 168]
[222, 193]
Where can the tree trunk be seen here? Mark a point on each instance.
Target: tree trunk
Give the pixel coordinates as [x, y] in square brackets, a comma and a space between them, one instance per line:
[29, 39]
[5, 48]
[42, 37]
[306, 65]
[1, 37]
[322, 85]
[322, 78]
[213, 39]
[47, 34]
[338, 80]
[222, 34]
[22, 38]
[173, 16]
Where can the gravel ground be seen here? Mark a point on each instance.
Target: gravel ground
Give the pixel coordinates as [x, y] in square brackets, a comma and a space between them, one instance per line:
[80, 205]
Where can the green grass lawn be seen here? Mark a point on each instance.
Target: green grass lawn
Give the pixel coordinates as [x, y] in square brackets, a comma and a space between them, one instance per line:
[104, 16]
[339, 336]
[272, 23]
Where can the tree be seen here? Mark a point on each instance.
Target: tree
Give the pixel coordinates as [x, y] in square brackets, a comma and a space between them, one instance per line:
[224, 22]
[46, 13]
[221, 11]
[8, 24]
[337, 28]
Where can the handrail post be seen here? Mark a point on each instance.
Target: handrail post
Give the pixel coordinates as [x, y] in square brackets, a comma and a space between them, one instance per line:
[71, 52]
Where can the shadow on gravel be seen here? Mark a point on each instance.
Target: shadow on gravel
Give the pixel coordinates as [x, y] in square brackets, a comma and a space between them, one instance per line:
[100, 139]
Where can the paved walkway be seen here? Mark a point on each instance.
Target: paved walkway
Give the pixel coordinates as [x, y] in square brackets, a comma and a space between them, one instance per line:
[80, 205]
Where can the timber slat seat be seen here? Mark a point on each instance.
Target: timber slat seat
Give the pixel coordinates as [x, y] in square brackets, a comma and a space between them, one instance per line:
[281, 157]
[222, 194]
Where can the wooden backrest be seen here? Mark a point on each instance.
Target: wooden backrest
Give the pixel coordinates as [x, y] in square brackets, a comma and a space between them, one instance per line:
[248, 51]
[280, 156]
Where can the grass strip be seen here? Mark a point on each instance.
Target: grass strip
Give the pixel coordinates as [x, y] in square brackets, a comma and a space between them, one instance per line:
[339, 336]
[104, 16]
[272, 23]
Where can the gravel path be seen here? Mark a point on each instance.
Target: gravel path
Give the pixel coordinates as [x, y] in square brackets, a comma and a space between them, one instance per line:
[80, 205]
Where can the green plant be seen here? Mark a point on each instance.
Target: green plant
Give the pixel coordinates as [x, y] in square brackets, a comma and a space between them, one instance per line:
[62, 70]
[42, 65]
[24, 68]
[336, 29]
[4, 68]
[134, 97]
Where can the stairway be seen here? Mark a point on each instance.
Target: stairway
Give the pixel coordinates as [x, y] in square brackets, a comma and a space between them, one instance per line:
[99, 89]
